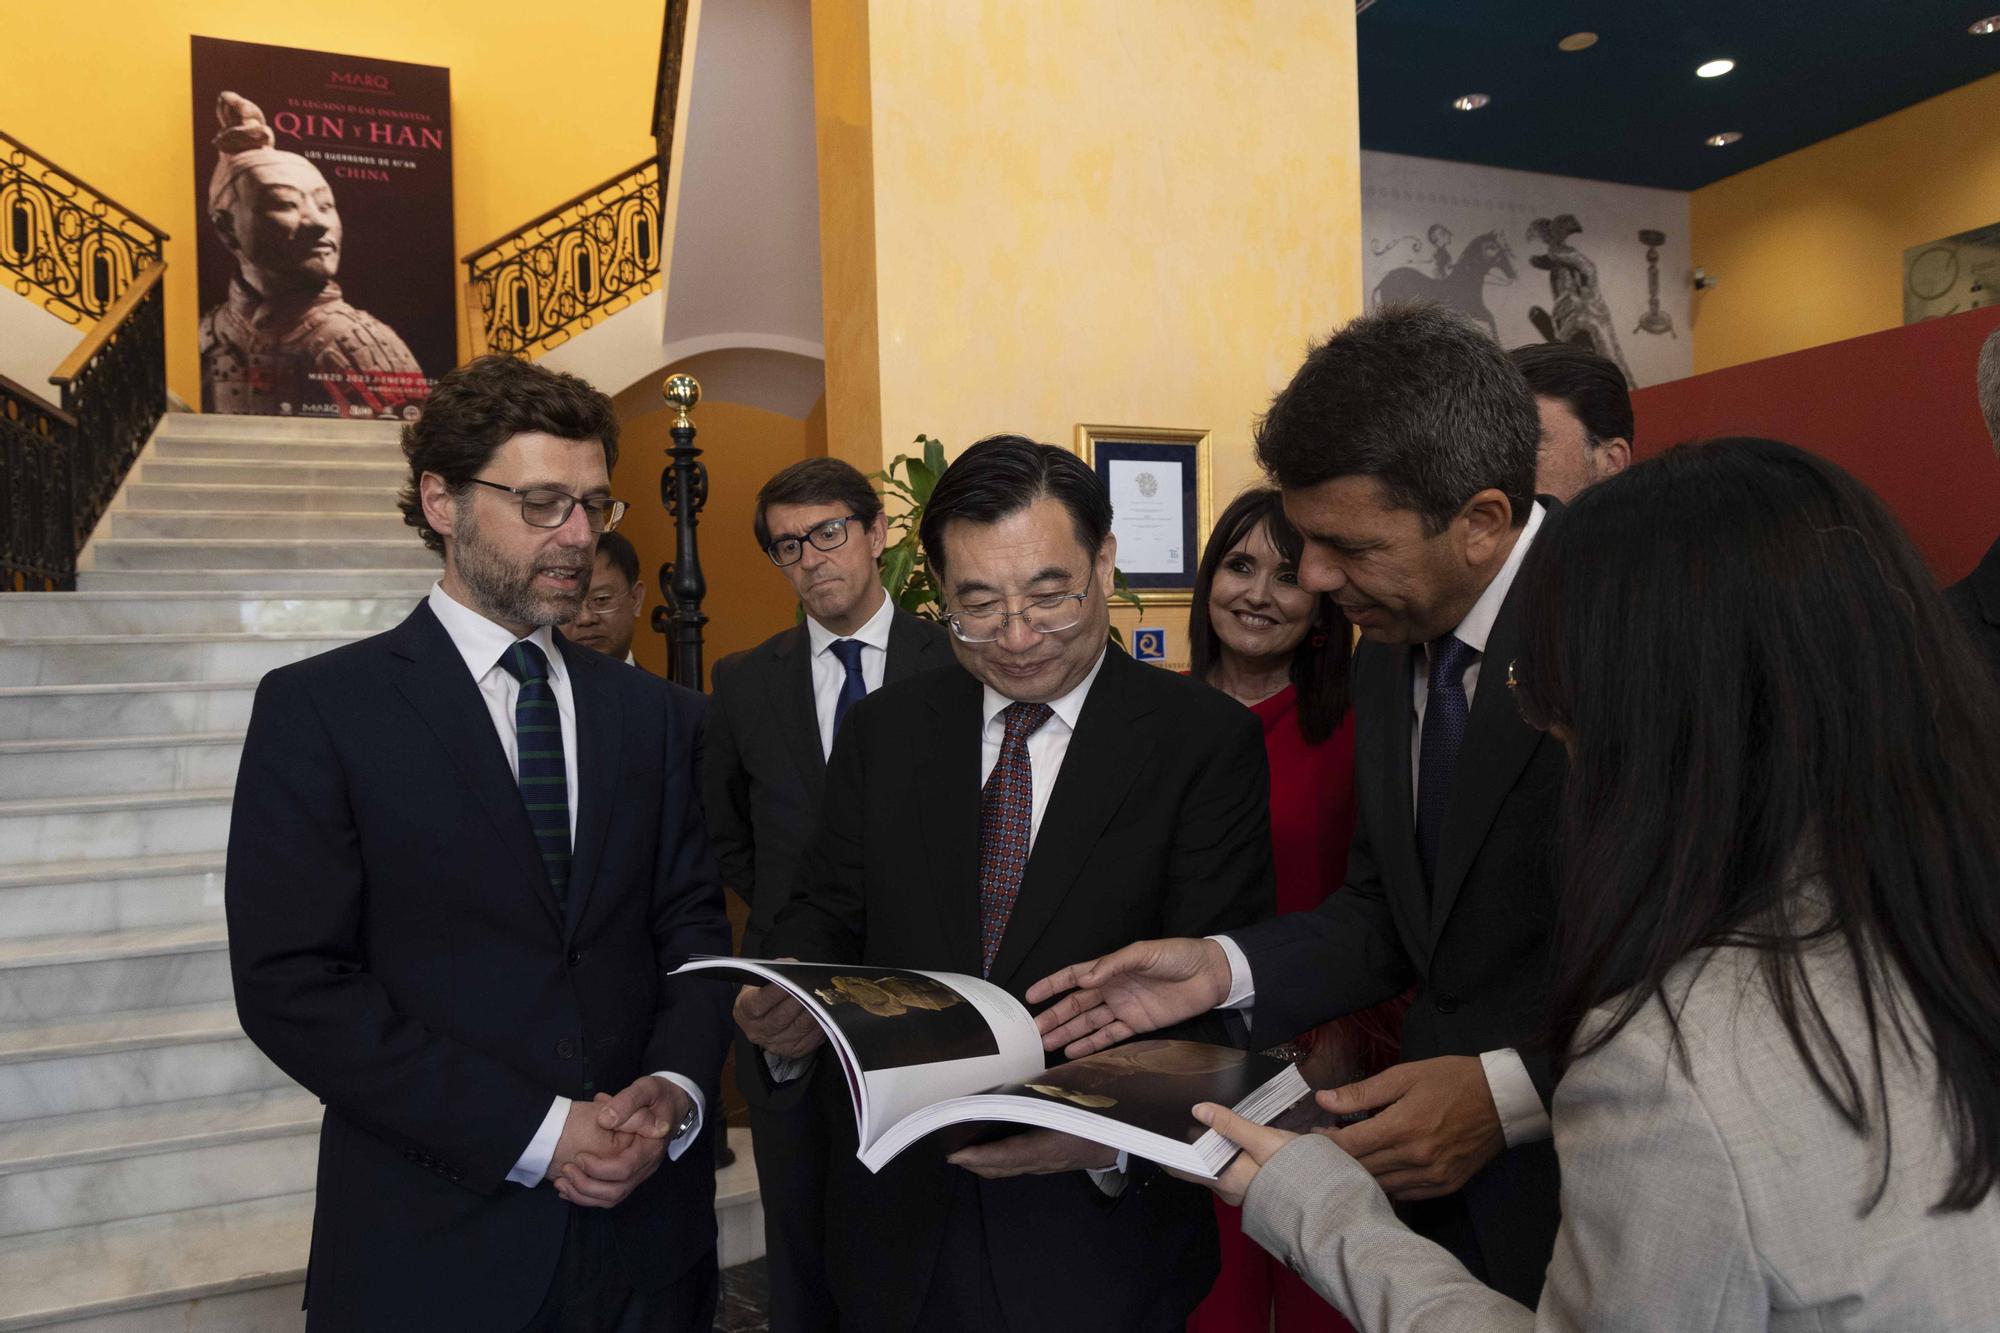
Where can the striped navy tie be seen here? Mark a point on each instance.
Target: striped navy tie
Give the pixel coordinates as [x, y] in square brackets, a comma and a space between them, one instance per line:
[538, 743]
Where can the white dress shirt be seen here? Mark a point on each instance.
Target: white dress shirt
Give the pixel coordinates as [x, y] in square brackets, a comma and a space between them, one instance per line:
[1046, 746]
[1523, 1118]
[829, 673]
[482, 643]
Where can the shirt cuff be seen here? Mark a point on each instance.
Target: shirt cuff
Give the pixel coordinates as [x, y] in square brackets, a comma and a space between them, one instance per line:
[1111, 1179]
[1523, 1118]
[788, 1068]
[534, 1163]
[1242, 993]
[678, 1144]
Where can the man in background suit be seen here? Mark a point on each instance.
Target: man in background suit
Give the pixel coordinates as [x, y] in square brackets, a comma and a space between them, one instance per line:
[1976, 597]
[609, 612]
[771, 724]
[1586, 412]
[1406, 450]
[1039, 802]
[464, 854]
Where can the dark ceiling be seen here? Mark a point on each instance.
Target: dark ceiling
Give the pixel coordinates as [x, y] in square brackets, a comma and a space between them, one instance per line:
[1630, 108]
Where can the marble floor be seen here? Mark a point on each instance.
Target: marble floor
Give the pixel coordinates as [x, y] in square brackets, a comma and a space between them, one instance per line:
[745, 1303]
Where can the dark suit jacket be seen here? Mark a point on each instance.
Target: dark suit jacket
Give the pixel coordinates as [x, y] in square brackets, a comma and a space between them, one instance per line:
[1477, 948]
[397, 950]
[1159, 824]
[762, 775]
[1976, 598]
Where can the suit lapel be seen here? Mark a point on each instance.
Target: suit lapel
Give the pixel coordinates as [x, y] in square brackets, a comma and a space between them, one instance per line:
[945, 784]
[1103, 758]
[1497, 747]
[443, 693]
[794, 707]
[907, 644]
[599, 726]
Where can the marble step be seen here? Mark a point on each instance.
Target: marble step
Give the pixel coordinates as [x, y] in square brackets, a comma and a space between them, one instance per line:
[406, 584]
[55, 978]
[234, 1268]
[89, 828]
[385, 478]
[739, 1206]
[105, 765]
[49, 712]
[104, 659]
[225, 426]
[208, 498]
[250, 553]
[243, 609]
[78, 897]
[285, 451]
[382, 522]
[133, 1058]
[106, 1166]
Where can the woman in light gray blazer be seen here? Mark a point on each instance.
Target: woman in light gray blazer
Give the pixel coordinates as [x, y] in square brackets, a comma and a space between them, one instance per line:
[1778, 940]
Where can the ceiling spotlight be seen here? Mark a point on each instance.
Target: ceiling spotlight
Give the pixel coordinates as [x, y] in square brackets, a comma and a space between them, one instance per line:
[1714, 69]
[1724, 139]
[1578, 41]
[1470, 102]
[1986, 27]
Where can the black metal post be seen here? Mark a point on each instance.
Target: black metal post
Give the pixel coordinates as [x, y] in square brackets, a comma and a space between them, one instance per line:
[683, 490]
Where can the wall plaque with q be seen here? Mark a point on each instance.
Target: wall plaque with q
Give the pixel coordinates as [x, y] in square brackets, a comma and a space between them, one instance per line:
[1161, 501]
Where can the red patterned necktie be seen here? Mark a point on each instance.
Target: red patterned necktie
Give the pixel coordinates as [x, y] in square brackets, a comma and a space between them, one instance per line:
[1006, 826]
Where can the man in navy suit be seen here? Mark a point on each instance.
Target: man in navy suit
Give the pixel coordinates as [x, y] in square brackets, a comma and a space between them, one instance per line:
[463, 856]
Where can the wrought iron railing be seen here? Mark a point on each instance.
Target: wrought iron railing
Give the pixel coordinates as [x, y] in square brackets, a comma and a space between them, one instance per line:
[64, 244]
[60, 467]
[36, 497]
[576, 264]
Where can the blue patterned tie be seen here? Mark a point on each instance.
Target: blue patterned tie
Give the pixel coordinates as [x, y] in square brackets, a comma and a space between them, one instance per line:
[1006, 826]
[538, 743]
[1445, 716]
[854, 689]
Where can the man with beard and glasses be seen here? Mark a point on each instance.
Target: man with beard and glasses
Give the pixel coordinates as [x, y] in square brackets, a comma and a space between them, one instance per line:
[463, 855]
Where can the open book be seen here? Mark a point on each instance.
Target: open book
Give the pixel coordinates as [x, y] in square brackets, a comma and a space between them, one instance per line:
[924, 1050]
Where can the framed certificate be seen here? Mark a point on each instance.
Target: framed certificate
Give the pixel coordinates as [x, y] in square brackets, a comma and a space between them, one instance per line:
[1161, 503]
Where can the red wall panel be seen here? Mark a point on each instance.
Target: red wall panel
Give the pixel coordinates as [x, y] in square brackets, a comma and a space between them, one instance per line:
[1898, 409]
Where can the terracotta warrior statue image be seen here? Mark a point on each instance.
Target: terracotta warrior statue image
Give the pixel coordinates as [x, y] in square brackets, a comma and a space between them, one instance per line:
[284, 341]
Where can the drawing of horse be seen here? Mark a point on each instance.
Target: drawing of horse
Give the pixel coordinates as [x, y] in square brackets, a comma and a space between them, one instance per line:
[1463, 289]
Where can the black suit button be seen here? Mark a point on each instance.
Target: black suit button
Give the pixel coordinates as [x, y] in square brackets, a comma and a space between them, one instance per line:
[1446, 1002]
[565, 1049]
[575, 958]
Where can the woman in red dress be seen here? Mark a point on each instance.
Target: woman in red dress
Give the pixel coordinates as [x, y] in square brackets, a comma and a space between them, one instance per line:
[1282, 652]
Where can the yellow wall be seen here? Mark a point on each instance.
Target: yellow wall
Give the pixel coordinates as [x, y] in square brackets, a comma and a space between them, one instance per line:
[1043, 213]
[748, 599]
[541, 108]
[1808, 249]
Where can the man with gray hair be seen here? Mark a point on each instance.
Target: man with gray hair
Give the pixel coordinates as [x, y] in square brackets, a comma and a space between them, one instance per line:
[1976, 598]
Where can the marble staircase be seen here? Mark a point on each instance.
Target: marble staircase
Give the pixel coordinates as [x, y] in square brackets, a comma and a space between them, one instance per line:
[155, 1169]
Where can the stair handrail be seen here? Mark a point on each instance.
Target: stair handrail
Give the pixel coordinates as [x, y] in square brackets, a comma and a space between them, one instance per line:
[60, 467]
[65, 240]
[549, 279]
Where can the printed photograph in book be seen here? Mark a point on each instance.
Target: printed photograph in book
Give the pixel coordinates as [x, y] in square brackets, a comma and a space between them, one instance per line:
[897, 1019]
[324, 256]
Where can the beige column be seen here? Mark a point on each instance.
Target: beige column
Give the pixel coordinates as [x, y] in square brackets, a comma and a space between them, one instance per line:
[1038, 213]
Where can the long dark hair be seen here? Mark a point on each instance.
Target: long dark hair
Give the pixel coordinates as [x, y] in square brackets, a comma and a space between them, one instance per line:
[1319, 666]
[1780, 738]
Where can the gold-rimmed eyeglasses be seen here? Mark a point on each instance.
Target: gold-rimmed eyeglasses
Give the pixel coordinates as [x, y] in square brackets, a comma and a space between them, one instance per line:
[546, 507]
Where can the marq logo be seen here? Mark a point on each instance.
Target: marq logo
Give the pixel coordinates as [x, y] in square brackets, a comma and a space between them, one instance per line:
[378, 82]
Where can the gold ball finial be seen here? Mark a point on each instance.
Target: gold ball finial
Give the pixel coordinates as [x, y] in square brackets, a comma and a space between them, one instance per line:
[682, 392]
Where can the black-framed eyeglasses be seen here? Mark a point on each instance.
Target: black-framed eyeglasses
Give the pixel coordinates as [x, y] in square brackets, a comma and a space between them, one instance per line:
[545, 507]
[825, 536]
[1051, 614]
